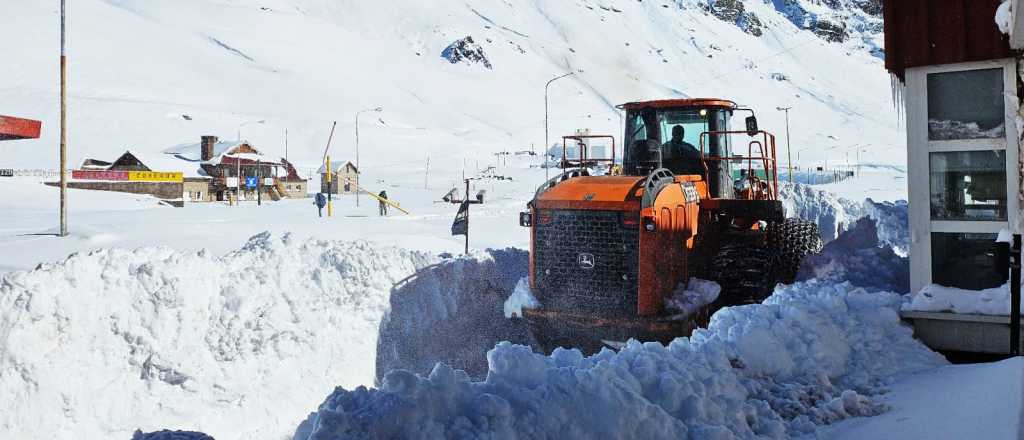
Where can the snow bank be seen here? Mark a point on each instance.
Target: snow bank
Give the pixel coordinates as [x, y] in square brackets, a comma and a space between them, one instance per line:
[451, 312]
[936, 298]
[171, 435]
[835, 214]
[858, 258]
[236, 346]
[521, 298]
[813, 354]
[689, 298]
[831, 213]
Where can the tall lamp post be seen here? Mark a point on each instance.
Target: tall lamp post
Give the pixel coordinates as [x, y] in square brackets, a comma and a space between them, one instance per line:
[358, 169]
[261, 121]
[547, 145]
[789, 154]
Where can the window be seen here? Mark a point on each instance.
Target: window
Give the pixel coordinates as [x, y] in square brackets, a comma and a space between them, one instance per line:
[966, 105]
[964, 260]
[968, 185]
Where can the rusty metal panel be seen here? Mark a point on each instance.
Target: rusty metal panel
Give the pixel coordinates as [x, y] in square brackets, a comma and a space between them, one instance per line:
[930, 32]
[12, 128]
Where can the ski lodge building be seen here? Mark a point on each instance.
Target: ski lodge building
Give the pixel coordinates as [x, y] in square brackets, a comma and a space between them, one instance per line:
[956, 76]
[217, 171]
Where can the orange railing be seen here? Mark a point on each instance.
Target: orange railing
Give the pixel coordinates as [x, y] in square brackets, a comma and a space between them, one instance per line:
[581, 145]
[766, 157]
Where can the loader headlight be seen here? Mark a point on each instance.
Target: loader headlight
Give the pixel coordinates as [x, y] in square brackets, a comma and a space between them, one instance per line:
[649, 224]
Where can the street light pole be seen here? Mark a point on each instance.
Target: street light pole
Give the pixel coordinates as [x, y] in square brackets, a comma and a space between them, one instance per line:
[358, 169]
[547, 145]
[789, 154]
[63, 123]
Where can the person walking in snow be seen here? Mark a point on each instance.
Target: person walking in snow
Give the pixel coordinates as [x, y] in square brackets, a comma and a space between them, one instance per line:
[383, 205]
[320, 201]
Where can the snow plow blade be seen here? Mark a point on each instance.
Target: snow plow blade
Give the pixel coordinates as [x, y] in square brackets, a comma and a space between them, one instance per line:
[589, 334]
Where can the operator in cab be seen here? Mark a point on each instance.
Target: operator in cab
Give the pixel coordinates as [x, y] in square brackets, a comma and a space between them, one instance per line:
[682, 156]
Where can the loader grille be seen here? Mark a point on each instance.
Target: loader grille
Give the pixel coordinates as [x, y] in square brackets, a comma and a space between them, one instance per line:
[586, 262]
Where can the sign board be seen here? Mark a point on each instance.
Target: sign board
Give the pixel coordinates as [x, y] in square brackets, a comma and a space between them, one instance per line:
[231, 182]
[268, 181]
[99, 175]
[250, 182]
[461, 224]
[155, 176]
[6, 172]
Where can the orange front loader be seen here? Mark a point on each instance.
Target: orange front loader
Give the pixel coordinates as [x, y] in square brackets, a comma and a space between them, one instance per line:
[607, 250]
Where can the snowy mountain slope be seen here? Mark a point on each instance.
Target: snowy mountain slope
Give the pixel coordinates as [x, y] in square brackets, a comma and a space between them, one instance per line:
[137, 67]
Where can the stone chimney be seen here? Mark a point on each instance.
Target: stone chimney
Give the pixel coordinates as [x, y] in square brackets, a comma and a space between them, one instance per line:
[206, 147]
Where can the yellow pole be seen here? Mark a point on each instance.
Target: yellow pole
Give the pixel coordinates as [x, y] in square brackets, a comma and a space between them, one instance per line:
[330, 204]
[379, 199]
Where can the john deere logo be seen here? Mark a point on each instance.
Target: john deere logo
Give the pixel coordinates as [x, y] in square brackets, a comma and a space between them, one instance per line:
[586, 261]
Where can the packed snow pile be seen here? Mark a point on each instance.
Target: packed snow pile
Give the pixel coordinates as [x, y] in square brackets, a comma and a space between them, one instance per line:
[688, 298]
[235, 346]
[936, 298]
[831, 213]
[451, 312]
[171, 435]
[835, 214]
[812, 354]
[521, 298]
[892, 223]
[857, 257]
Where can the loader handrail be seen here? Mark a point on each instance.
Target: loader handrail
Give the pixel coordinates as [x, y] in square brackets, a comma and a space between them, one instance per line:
[766, 155]
[559, 179]
[583, 150]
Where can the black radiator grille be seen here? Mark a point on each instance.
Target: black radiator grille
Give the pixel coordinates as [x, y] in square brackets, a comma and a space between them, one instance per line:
[564, 237]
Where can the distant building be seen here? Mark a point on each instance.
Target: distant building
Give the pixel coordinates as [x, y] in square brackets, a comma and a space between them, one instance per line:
[128, 174]
[217, 171]
[344, 179]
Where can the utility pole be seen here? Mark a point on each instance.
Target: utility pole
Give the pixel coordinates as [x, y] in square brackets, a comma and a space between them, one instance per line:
[63, 121]
[547, 145]
[359, 170]
[789, 154]
[327, 165]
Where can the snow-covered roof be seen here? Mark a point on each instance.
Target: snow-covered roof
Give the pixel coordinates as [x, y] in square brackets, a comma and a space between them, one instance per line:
[193, 152]
[337, 166]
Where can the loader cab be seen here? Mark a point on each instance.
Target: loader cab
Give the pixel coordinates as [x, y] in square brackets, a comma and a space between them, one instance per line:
[668, 134]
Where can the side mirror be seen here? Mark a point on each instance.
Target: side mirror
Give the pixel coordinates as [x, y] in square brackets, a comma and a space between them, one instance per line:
[752, 125]
[525, 219]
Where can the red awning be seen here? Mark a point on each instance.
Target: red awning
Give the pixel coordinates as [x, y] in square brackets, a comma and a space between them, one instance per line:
[12, 128]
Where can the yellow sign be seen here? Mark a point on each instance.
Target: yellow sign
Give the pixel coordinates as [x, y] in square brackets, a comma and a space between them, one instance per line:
[154, 176]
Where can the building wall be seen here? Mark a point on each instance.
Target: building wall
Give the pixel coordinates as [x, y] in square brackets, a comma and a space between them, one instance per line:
[338, 182]
[197, 191]
[295, 189]
[161, 190]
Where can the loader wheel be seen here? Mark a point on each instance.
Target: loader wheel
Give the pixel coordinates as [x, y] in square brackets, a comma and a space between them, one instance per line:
[745, 271]
[793, 239]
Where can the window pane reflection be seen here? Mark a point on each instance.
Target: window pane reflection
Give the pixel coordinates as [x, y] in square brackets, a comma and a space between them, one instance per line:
[968, 185]
[966, 105]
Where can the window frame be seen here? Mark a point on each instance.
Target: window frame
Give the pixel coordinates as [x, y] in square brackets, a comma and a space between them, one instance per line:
[919, 148]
